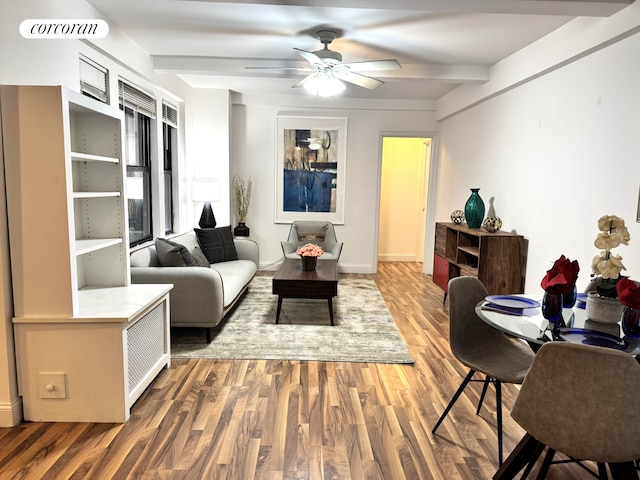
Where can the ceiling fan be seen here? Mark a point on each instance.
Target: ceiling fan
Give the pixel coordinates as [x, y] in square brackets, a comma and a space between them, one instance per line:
[327, 69]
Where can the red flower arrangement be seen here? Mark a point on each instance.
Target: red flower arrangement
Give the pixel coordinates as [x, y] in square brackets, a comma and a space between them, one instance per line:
[561, 278]
[310, 250]
[628, 292]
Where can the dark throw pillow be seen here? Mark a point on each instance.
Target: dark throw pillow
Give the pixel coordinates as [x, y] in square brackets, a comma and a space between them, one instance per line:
[200, 258]
[171, 254]
[217, 244]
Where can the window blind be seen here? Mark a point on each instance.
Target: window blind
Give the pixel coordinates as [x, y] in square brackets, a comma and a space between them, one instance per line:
[94, 79]
[136, 99]
[169, 115]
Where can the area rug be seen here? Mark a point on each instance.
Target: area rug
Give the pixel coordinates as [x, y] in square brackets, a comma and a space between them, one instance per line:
[363, 330]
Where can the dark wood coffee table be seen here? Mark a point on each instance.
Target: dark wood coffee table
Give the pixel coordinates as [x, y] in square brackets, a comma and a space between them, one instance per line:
[293, 282]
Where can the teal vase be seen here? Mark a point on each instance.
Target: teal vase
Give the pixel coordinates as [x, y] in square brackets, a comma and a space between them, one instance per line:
[474, 209]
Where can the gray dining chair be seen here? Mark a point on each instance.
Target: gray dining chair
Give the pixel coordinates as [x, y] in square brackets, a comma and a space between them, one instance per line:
[482, 348]
[582, 401]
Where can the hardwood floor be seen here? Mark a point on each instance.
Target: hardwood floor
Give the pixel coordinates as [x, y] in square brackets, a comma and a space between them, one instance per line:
[213, 419]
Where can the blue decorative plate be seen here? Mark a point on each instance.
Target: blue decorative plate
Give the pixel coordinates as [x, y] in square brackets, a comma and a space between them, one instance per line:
[512, 301]
[592, 337]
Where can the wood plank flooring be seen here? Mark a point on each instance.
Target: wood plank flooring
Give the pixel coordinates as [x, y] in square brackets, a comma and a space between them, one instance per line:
[258, 419]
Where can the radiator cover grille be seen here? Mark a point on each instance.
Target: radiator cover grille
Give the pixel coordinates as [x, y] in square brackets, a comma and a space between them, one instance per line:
[146, 344]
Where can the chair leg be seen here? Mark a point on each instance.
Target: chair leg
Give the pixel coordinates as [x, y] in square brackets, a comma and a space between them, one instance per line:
[623, 471]
[534, 458]
[602, 471]
[487, 381]
[546, 463]
[527, 450]
[461, 388]
[499, 418]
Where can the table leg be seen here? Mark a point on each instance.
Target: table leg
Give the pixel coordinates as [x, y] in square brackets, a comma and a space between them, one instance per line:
[330, 300]
[279, 308]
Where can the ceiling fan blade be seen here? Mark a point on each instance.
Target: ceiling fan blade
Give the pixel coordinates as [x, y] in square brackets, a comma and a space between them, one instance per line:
[374, 65]
[302, 82]
[357, 79]
[312, 58]
[296, 69]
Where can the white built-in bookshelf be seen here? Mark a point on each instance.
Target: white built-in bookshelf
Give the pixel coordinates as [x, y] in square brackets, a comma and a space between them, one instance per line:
[88, 342]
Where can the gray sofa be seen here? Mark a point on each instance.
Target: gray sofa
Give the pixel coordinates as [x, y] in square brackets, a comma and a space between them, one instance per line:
[201, 297]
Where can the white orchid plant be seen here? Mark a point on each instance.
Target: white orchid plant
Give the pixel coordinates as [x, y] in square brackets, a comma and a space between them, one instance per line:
[613, 233]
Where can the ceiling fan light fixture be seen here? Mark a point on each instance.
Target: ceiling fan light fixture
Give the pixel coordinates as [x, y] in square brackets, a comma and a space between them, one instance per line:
[324, 84]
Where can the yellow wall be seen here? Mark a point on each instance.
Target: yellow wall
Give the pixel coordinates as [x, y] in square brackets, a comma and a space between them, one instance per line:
[402, 199]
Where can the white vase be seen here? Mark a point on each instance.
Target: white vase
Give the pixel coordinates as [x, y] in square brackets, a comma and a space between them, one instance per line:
[603, 309]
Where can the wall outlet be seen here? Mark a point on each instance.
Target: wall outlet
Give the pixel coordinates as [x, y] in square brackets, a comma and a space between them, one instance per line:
[52, 385]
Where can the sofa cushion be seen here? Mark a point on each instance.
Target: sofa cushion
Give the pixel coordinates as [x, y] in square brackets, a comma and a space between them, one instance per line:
[217, 244]
[236, 274]
[171, 254]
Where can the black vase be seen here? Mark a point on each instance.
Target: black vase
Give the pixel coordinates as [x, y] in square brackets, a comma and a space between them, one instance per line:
[241, 230]
[474, 209]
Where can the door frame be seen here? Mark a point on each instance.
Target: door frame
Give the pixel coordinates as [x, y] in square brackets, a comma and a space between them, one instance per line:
[431, 194]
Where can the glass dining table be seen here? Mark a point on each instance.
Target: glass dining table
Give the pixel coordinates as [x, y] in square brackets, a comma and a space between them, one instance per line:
[521, 316]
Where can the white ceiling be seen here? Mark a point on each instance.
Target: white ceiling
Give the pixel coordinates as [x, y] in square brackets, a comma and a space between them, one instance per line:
[440, 43]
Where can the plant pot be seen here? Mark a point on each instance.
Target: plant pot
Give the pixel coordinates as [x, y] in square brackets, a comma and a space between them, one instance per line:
[309, 263]
[602, 309]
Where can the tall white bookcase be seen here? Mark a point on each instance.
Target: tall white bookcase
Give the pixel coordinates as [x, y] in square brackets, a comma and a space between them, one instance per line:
[88, 342]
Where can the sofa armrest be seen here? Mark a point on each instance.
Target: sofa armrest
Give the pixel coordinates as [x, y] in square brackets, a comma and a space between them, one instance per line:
[335, 249]
[247, 250]
[197, 297]
[287, 248]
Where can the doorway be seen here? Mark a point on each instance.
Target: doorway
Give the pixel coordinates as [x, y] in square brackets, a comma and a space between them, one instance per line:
[404, 184]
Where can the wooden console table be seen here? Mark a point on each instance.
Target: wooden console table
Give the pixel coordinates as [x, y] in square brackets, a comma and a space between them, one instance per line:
[496, 259]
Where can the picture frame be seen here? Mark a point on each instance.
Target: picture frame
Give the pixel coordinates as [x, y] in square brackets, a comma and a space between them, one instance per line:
[310, 168]
[638, 210]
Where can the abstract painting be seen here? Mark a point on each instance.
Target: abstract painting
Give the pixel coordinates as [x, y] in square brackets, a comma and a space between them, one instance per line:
[310, 168]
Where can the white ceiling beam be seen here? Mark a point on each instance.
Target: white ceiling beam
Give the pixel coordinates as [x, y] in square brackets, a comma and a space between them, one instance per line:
[595, 8]
[237, 67]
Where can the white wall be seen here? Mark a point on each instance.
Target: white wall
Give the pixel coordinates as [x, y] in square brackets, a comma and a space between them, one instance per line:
[555, 153]
[208, 128]
[254, 151]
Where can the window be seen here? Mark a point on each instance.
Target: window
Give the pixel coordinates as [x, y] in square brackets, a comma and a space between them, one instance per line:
[94, 80]
[170, 142]
[139, 111]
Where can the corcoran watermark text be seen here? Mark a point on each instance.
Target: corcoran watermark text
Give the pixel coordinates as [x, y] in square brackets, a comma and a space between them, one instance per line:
[64, 28]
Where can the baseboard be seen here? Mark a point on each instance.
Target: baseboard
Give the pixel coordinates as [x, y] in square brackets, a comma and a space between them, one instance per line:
[11, 413]
[390, 257]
